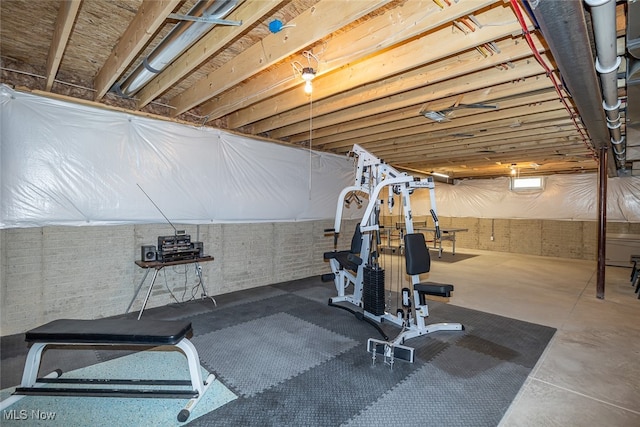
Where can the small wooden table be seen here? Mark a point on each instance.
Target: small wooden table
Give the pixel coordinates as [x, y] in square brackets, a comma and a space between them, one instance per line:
[159, 265]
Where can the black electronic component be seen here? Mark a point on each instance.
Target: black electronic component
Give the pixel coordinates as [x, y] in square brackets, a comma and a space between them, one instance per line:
[147, 253]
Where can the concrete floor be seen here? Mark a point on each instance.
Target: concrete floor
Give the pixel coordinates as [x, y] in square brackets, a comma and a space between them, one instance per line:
[590, 373]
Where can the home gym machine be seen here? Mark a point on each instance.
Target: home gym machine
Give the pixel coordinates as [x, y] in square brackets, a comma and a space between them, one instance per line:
[359, 265]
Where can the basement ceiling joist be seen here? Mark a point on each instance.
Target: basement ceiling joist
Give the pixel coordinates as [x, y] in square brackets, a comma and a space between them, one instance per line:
[379, 65]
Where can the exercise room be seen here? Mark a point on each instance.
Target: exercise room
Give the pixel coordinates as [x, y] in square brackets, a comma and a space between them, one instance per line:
[319, 213]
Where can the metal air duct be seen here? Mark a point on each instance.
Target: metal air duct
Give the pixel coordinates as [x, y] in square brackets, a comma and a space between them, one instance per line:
[181, 37]
[563, 24]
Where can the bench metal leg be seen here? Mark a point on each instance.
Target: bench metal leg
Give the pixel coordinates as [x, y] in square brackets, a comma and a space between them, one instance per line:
[30, 373]
[191, 353]
[201, 387]
[32, 365]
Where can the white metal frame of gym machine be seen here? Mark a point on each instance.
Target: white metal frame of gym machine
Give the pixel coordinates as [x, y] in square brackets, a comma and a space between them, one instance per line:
[372, 176]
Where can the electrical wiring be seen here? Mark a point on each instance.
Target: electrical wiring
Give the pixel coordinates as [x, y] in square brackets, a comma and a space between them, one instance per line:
[166, 285]
[388, 40]
[38, 76]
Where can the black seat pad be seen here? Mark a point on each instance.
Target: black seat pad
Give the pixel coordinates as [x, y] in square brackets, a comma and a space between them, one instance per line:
[111, 331]
[434, 289]
[349, 259]
[345, 258]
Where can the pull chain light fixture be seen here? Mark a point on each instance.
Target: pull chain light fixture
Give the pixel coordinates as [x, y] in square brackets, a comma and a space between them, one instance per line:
[308, 73]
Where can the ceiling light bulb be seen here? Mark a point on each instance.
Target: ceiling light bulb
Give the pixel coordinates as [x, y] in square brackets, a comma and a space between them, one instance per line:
[308, 74]
[308, 87]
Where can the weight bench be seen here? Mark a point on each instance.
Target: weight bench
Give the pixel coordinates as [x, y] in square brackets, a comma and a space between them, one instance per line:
[116, 333]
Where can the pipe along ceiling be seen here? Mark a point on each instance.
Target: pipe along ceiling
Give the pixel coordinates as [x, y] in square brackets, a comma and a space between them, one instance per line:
[564, 25]
[179, 39]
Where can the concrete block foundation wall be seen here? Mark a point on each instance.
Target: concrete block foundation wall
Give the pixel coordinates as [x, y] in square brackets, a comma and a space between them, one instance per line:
[554, 238]
[562, 239]
[55, 272]
[89, 272]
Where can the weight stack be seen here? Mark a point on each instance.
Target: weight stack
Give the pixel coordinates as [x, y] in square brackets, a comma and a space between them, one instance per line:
[373, 290]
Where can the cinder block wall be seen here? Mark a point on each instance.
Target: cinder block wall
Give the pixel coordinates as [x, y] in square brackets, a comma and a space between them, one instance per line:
[563, 239]
[554, 238]
[89, 272]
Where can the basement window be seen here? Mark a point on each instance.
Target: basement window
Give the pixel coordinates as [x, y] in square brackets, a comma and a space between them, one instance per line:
[530, 183]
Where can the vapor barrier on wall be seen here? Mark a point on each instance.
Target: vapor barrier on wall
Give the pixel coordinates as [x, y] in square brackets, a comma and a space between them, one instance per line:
[64, 163]
[565, 197]
[69, 164]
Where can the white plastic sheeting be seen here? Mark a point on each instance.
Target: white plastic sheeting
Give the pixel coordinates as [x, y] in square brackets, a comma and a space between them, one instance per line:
[70, 164]
[565, 197]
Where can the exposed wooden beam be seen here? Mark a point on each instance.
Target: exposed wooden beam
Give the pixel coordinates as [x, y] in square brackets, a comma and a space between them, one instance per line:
[489, 141]
[376, 34]
[64, 23]
[511, 87]
[508, 157]
[493, 171]
[248, 13]
[446, 151]
[440, 133]
[415, 53]
[519, 155]
[525, 72]
[310, 26]
[519, 114]
[296, 120]
[151, 15]
[416, 140]
[482, 132]
[481, 141]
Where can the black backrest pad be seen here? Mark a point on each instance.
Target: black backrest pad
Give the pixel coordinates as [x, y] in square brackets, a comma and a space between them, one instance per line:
[356, 240]
[416, 254]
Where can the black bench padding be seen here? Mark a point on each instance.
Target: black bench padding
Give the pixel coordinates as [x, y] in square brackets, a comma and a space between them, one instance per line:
[416, 254]
[349, 259]
[434, 289]
[346, 259]
[111, 331]
[418, 261]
